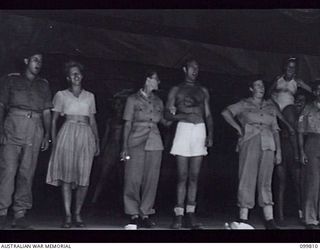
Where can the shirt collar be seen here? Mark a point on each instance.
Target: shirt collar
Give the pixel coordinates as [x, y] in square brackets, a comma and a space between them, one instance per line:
[250, 100]
[144, 95]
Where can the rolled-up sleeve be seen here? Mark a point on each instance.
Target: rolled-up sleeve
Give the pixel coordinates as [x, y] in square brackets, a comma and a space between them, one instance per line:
[4, 90]
[275, 125]
[128, 113]
[236, 108]
[58, 102]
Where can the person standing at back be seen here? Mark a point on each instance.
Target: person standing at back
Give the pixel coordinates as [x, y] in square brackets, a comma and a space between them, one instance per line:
[25, 103]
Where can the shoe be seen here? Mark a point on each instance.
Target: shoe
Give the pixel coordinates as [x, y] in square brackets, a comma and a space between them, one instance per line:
[243, 221]
[21, 223]
[177, 222]
[282, 223]
[271, 225]
[191, 222]
[3, 221]
[67, 222]
[133, 224]
[78, 222]
[147, 223]
[311, 227]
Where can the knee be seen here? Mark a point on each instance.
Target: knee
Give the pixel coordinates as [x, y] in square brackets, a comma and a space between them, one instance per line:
[193, 179]
[182, 178]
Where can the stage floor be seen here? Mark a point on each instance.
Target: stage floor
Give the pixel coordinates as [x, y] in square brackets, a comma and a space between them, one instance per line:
[117, 222]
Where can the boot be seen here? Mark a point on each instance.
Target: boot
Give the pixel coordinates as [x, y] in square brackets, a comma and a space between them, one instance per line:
[191, 221]
[177, 222]
[271, 225]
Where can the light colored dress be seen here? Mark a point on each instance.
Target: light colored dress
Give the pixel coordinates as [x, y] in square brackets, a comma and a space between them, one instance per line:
[71, 159]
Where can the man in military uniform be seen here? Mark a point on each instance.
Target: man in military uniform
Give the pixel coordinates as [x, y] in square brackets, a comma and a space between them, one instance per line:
[25, 103]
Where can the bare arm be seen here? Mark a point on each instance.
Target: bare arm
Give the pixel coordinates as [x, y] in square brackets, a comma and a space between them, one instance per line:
[303, 85]
[208, 116]
[54, 127]
[94, 128]
[303, 157]
[227, 115]
[126, 131]
[46, 122]
[168, 115]
[272, 88]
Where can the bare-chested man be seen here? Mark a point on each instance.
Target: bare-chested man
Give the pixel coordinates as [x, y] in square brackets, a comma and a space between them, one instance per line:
[188, 104]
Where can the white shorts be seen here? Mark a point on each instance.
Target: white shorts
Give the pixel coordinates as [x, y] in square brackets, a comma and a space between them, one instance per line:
[189, 140]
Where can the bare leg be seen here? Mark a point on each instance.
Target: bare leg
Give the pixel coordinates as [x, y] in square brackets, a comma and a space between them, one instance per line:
[182, 163]
[195, 166]
[66, 190]
[80, 197]
[67, 197]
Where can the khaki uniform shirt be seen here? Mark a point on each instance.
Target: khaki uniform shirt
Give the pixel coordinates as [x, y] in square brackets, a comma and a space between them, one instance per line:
[145, 113]
[256, 119]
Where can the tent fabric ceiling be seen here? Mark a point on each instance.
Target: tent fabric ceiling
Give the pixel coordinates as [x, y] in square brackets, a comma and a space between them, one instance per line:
[168, 43]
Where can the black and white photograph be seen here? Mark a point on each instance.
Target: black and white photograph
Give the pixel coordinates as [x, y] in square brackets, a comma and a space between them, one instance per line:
[160, 119]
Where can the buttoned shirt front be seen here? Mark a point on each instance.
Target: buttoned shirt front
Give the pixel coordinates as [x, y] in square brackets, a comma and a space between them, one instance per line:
[144, 112]
[309, 120]
[16, 91]
[256, 119]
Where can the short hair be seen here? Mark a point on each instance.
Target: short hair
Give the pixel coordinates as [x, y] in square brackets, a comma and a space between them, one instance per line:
[70, 64]
[188, 61]
[289, 60]
[31, 51]
[253, 80]
[149, 73]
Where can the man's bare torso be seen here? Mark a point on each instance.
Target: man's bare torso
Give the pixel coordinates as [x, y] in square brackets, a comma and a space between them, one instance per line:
[190, 99]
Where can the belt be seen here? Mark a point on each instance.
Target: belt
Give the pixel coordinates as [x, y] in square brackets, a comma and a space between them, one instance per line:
[146, 124]
[27, 113]
[78, 122]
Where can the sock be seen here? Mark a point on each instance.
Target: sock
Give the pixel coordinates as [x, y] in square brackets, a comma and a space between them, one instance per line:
[243, 214]
[300, 214]
[19, 214]
[191, 208]
[3, 212]
[134, 216]
[179, 211]
[268, 212]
